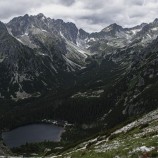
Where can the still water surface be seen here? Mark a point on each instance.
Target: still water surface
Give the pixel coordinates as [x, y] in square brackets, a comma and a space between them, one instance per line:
[32, 134]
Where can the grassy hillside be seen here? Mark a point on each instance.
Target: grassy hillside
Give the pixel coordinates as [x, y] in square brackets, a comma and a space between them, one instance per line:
[137, 139]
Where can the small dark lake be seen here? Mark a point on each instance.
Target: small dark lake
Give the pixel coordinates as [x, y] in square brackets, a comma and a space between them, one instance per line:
[32, 134]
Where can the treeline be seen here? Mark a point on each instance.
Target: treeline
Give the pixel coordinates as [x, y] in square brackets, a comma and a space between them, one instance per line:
[76, 111]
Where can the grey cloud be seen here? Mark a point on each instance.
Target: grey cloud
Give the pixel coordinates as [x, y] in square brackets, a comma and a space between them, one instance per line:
[65, 2]
[105, 15]
[93, 5]
[135, 2]
[136, 15]
[9, 8]
[90, 14]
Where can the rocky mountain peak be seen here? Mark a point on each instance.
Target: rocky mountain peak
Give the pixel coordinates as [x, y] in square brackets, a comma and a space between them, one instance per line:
[59, 21]
[139, 27]
[26, 16]
[143, 24]
[83, 34]
[155, 21]
[40, 15]
[113, 27]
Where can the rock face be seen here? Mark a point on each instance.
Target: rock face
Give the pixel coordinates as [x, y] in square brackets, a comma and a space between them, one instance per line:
[26, 71]
[45, 34]
[31, 25]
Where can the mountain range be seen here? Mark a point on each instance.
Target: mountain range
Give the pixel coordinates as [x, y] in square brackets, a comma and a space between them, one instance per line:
[34, 47]
[51, 65]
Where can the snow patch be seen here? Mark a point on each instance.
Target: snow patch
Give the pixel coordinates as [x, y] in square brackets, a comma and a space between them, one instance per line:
[155, 29]
[134, 31]
[26, 34]
[20, 95]
[44, 30]
[2, 59]
[142, 149]
[92, 94]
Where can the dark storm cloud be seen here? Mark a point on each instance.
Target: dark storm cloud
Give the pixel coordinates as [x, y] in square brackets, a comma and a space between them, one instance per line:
[92, 15]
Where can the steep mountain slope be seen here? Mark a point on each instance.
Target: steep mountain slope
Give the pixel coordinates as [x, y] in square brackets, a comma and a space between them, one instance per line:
[27, 72]
[137, 139]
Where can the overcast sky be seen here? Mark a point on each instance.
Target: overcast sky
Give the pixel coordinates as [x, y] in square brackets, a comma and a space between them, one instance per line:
[91, 15]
